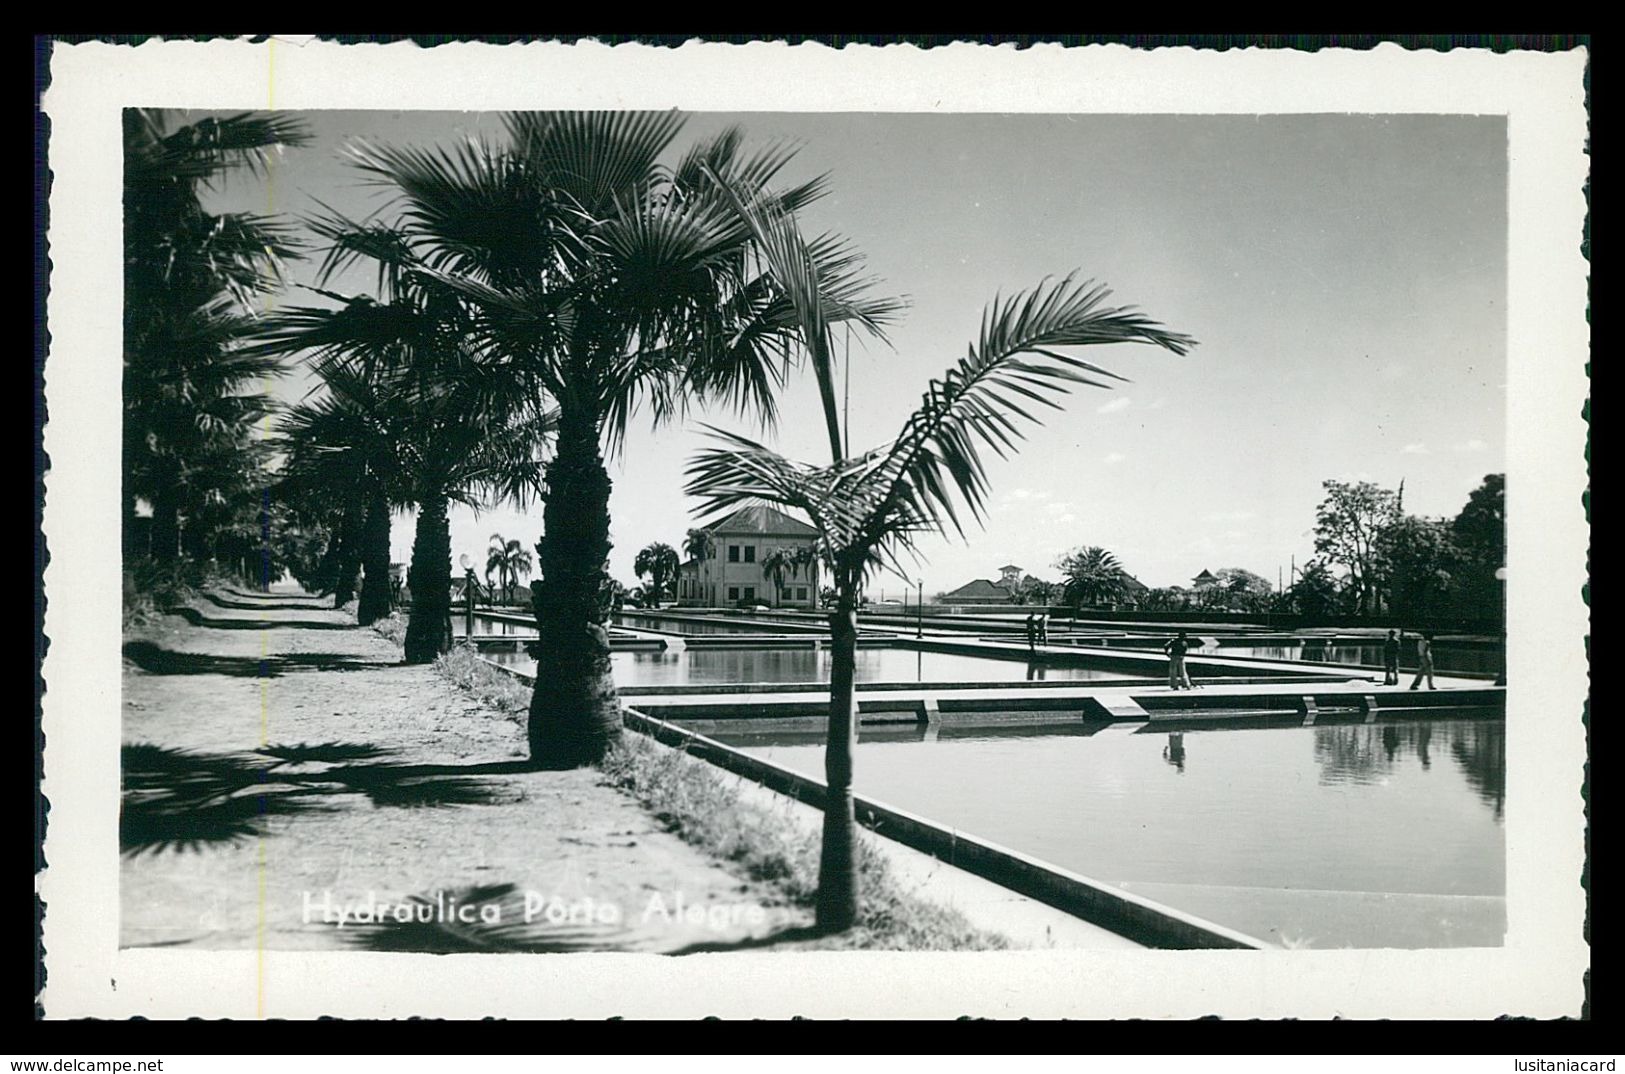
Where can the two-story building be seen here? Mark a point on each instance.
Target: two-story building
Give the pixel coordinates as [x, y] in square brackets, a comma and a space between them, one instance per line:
[735, 572]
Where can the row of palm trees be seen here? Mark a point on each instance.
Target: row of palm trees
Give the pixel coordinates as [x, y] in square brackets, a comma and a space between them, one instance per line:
[536, 292]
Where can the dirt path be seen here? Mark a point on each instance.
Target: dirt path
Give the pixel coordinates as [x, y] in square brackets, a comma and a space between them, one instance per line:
[283, 769]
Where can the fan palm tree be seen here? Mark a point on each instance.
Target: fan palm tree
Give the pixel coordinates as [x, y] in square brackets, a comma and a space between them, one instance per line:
[659, 561]
[340, 445]
[606, 280]
[454, 429]
[1090, 575]
[870, 508]
[189, 281]
[778, 565]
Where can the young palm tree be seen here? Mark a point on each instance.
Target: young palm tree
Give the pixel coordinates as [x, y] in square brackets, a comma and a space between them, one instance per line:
[870, 508]
[659, 561]
[1090, 575]
[190, 278]
[607, 279]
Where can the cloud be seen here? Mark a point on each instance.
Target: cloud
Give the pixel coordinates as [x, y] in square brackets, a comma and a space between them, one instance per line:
[1229, 516]
[1057, 508]
[1158, 403]
[1120, 403]
[1472, 445]
[1414, 449]
[1058, 519]
[1115, 457]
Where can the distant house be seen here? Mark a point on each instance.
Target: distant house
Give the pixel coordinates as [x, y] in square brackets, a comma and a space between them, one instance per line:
[983, 591]
[1204, 580]
[1133, 588]
[734, 573]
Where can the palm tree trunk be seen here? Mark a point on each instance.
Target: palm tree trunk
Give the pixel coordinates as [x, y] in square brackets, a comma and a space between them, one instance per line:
[374, 603]
[837, 864]
[575, 713]
[166, 523]
[428, 631]
[348, 558]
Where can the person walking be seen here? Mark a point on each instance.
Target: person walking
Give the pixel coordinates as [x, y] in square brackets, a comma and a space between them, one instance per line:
[1424, 661]
[1043, 628]
[1177, 647]
[1032, 634]
[1390, 660]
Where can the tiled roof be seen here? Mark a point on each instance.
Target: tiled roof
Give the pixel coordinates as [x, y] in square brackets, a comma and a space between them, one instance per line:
[760, 518]
[980, 587]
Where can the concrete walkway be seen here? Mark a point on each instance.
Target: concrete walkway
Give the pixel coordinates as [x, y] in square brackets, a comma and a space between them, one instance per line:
[281, 765]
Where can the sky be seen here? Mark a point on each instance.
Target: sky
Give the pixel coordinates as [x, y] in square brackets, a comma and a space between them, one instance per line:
[1345, 277]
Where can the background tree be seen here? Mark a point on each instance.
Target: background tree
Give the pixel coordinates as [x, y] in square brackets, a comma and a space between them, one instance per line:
[869, 509]
[778, 565]
[1090, 576]
[660, 563]
[700, 545]
[1164, 600]
[1035, 591]
[510, 561]
[1479, 535]
[190, 280]
[1349, 527]
[1242, 590]
[1315, 593]
[1421, 559]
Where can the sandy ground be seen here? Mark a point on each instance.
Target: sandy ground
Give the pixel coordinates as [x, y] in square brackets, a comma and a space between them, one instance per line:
[286, 778]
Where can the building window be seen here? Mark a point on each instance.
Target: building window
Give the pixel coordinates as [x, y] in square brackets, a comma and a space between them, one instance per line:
[733, 592]
[750, 592]
[733, 553]
[801, 592]
[750, 553]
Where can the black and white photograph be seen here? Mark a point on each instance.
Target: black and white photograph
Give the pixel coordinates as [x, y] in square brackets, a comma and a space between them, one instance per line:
[738, 530]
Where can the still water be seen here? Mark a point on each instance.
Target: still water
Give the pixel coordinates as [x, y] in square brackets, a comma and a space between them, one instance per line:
[715, 666]
[1385, 835]
[1445, 658]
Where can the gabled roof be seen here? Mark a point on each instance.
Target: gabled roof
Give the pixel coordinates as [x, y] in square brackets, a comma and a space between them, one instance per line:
[1205, 576]
[1009, 567]
[760, 518]
[1133, 584]
[980, 587]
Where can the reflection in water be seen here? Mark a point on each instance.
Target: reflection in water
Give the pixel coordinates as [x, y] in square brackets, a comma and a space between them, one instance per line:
[708, 666]
[1316, 834]
[1481, 750]
[1035, 671]
[1174, 752]
[1349, 753]
[1446, 658]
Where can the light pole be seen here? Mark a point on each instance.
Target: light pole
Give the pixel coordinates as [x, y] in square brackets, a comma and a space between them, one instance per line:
[1501, 576]
[919, 612]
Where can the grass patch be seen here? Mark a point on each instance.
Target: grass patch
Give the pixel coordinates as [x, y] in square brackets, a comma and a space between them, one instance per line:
[488, 685]
[391, 627]
[696, 802]
[701, 804]
[151, 588]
